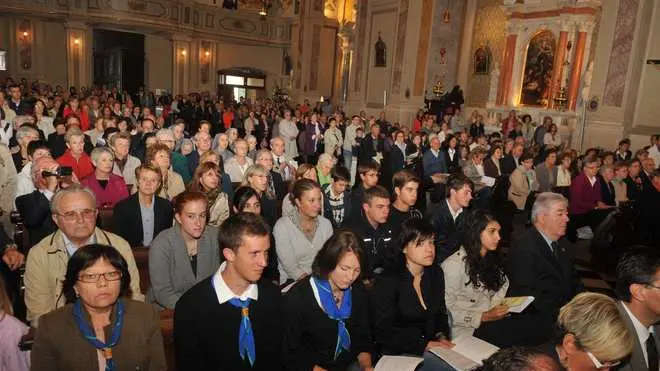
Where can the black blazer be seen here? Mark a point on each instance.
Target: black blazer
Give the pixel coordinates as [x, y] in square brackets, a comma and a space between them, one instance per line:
[401, 325]
[508, 165]
[35, 210]
[607, 192]
[534, 270]
[397, 160]
[127, 218]
[453, 165]
[367, 151]
[310, 336]
[447, 231]
[206, 332]
[278, 183]
[490, 169]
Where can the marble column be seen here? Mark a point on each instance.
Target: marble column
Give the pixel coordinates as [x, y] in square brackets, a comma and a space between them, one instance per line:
[507, 67]
[346, 45]
[578, 62]
[465, 64]
[181, 64]
[78, 54]
[558, 68]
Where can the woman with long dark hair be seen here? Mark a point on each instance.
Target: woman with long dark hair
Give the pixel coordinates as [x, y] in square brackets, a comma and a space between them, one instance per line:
[408, 300]
[100, 328]
[475, 282]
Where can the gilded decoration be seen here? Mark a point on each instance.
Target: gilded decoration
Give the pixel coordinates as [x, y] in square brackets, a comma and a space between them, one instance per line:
[539, 63]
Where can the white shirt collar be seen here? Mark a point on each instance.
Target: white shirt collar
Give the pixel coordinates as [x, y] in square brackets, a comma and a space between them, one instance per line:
[223, 292]
[71, 248]
[451, 211]
[642, 332]
[592, 180]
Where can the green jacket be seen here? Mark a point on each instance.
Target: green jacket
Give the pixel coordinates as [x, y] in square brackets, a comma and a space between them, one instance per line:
[180, 166]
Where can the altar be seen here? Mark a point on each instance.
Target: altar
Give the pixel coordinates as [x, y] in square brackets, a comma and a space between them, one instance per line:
[544, 70]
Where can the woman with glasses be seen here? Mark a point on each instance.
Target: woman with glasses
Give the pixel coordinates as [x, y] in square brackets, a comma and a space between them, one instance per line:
[187, 253]
[256, 177]
[100, 328]
[592, 335]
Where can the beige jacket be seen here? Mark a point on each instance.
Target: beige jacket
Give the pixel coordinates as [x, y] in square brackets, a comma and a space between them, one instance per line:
[173, 187]
[466, 303]
[520, 188]
[8, 180]
[46, 267]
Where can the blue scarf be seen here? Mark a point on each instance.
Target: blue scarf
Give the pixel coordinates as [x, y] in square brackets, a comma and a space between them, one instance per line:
[338, 314]
[90, 336]
[246, 346]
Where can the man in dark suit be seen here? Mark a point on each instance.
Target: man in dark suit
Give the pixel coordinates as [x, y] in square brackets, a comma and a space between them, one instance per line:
[447, 215]
[35, 207]
[233, 319]
[539, 264]
[371, 146]
[17, 103]
[276, 185]
[638, 288]
[139, 218]
[511, 161]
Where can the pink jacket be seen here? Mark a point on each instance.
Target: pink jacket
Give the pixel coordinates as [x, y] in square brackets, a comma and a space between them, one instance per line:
[114, 192]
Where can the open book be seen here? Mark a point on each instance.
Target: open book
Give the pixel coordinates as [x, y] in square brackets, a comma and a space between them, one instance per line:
[467, 354]
[517, 304]
[398, 363]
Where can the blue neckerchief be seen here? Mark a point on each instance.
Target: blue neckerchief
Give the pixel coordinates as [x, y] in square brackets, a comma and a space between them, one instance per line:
[245, 335]
[338, 314]
[90, 336]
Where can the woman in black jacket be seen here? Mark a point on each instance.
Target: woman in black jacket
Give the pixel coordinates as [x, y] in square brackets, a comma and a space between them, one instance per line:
[327, 322]
[408, 301]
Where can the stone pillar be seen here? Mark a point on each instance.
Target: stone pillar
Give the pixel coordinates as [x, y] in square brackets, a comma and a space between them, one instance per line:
[346, 39]
[465, 64]
[558, 68]
[78, 54]
[507, 66]
[578, 62]
[181, 64]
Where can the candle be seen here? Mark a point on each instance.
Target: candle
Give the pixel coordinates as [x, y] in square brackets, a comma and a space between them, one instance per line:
[384, 98]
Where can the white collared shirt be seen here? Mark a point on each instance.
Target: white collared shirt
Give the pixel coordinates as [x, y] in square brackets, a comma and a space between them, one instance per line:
[223, 292]
[592, 180]
[547, 240]
[451, 153]
[642, 332]
[451, 211]
[71, 248]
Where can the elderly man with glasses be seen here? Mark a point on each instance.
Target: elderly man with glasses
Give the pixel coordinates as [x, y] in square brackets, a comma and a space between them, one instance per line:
[74, 212]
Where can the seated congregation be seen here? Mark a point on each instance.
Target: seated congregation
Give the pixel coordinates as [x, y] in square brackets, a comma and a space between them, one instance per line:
[280, 237]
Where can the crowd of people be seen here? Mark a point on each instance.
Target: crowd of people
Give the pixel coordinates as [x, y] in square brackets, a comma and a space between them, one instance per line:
[296, 237]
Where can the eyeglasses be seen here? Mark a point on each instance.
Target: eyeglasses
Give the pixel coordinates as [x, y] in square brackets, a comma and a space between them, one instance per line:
[649, 284]
[599, 365]
[72, 216]
[95, 277]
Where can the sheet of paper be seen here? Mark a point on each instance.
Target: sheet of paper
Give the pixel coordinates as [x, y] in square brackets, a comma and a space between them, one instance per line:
[473, 348]
[489, 181]
[454, 359]
[398, 363]
[517, 304]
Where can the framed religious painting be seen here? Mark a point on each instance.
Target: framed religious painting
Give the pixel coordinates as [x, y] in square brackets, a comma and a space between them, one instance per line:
[537, 74]
[482, 57]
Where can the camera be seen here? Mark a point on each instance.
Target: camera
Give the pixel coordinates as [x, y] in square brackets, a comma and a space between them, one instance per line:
[60, 172]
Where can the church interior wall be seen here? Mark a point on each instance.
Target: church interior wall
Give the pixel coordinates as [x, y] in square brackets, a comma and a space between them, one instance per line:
[158, 59]
[268, 59]
[381, 21]
[489, 30]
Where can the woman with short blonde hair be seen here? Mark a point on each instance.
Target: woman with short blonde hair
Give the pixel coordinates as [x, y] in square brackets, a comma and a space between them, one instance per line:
[593, 335]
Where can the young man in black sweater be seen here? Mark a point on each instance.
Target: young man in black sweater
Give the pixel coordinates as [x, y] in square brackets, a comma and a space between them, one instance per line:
[233, 319]
[405, 186]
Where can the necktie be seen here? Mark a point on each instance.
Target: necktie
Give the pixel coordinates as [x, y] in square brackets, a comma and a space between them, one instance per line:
[555, 249]
[652, 353]
[246, 347]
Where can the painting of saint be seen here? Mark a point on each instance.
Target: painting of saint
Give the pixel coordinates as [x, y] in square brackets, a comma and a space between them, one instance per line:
[537, 76]
[482, 61]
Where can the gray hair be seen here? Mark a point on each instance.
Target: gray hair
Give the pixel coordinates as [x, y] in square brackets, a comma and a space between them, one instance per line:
[251, 171]
[250, 137]
[263, 152]
[325, 158]
[24, 131]
[98, 151]
[605, 167]
[273, 139]
[74, 188]
[163, 132]
[544, 202]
